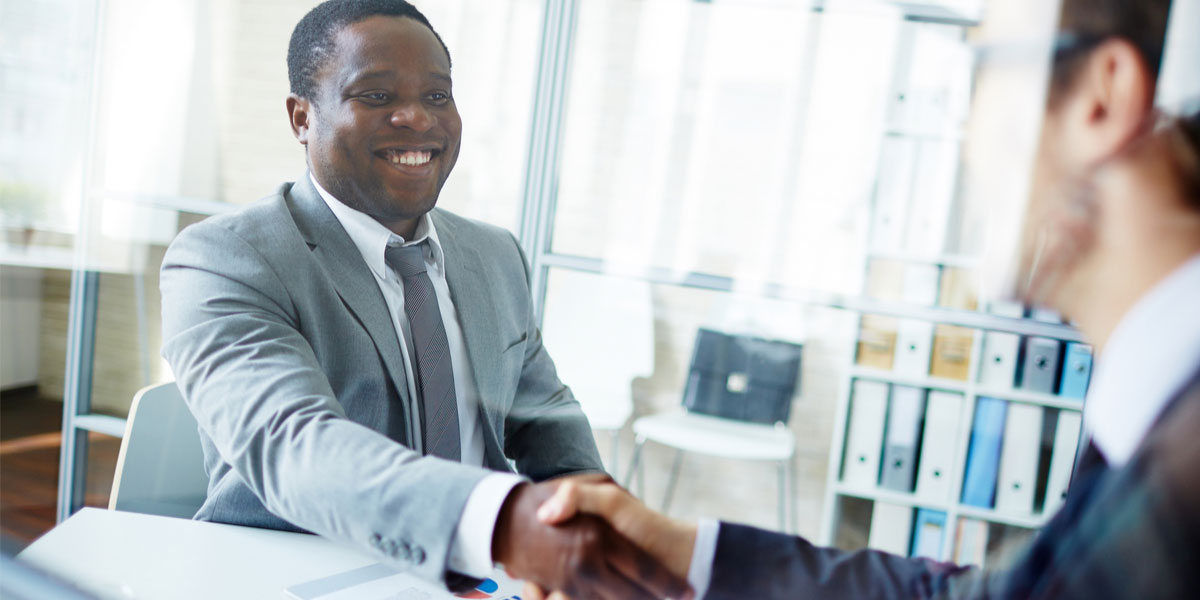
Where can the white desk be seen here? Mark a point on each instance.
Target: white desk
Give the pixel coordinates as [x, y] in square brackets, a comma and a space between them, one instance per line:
[134, 556]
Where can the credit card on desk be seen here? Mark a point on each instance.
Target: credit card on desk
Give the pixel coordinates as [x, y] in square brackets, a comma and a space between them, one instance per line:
[381, 582]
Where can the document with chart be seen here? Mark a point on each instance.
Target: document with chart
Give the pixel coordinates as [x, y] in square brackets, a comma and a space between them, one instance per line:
[381, 582]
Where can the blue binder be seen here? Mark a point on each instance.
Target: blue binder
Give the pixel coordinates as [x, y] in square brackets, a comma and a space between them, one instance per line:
[928, 534]
[1077, 370]
[983, 457]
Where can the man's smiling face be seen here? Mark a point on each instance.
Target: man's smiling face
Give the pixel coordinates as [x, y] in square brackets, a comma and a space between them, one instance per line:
[383, 132]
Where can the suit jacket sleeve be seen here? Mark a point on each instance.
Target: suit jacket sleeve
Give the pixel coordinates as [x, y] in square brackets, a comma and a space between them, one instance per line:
[546, 432]
[753, 563]
[256, 388]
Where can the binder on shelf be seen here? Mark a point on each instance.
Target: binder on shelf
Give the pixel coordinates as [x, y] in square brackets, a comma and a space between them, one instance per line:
[877, 341]
[902, 438]
[1002, 308]
[983, 455]
[1019, 459]
[891, 528]
[885, 279]
[928, 532]
[920, 283]
[937, 446]
[1039, 368]
[1045, 315]
[959, 289]
[1062, 459]
[864, 440]
[897, 159]
[998, 366]
[914, 342]
[934, 182]
[1077, 370]
[951, 356]
[970, 542]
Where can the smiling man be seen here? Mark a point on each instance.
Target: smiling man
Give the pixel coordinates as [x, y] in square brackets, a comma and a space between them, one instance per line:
[363, 365]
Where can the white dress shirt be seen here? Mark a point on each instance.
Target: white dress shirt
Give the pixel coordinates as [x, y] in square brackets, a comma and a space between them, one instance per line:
[471, 549]
[1149, 357]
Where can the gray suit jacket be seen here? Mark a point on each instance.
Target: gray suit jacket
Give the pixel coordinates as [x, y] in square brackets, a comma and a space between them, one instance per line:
[283, 347]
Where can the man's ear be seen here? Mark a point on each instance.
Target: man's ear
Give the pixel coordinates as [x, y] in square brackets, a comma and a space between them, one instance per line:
[1112, 101]
[300, 114]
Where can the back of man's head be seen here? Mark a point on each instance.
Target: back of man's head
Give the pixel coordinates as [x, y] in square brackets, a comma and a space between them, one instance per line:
[314, 38]
[1085, 24]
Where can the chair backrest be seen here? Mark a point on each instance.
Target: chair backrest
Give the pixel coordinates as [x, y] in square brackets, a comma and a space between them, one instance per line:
[600, 332]
[742, 377]
[160, 469]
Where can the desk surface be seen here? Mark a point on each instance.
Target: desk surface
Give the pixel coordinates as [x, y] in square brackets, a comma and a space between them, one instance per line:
[134, 556]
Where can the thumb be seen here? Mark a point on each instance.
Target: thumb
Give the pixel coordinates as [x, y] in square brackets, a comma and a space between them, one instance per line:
[561, 506]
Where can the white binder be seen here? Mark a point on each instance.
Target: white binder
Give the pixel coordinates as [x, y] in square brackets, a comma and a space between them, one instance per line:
[1062, 459]
[921, 283]
[998, 368]
[864, 440]
[937, 447]
[891, 528]
[914, 344]
[970, 542]
[1019, 459]
[932, 195]
[897, 159]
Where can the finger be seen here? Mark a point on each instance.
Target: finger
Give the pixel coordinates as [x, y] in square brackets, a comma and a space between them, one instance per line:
[606, 583]
[560, 506]
[559, 596]
[646, 571]
[533, 592]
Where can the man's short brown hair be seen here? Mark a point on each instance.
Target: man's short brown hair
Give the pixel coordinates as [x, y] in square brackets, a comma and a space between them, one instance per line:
[1084, 24]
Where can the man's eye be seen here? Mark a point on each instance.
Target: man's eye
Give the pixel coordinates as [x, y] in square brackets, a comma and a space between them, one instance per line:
[376, 97]
[439, 97]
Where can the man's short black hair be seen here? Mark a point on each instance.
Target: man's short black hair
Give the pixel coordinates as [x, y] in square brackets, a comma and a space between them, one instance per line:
[313, 42]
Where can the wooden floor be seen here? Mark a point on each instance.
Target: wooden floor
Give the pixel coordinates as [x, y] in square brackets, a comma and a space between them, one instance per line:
[29, 453]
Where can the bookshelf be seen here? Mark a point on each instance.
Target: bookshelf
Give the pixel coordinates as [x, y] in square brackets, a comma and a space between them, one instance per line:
[924, 319]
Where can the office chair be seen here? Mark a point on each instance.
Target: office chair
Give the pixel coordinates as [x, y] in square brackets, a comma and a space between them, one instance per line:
[600, 331]
[737, 402]
[160, 468]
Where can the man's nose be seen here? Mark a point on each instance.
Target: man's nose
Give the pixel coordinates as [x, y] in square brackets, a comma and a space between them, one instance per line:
[412, 115]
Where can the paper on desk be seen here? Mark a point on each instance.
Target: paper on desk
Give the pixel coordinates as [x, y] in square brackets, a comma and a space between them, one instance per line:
[380, 582]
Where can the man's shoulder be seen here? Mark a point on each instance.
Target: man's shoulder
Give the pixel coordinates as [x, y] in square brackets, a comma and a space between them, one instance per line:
[263, 220]
[455, 223]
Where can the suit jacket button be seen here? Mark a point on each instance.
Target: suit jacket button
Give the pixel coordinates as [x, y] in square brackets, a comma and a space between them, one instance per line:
[418, 555]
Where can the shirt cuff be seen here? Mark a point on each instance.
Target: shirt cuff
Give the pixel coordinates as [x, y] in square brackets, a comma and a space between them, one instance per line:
[471, 549]
[703, 554]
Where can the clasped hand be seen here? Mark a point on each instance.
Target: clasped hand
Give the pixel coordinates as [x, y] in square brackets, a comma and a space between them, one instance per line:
[584, 537]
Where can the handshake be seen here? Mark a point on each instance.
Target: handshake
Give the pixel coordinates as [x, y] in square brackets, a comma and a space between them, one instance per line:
[585, 537]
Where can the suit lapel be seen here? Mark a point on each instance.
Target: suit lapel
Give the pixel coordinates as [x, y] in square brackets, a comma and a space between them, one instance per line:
[467, 278]
[352, 279]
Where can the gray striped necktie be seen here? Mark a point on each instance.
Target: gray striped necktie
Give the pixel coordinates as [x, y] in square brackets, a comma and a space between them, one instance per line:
[434, 374]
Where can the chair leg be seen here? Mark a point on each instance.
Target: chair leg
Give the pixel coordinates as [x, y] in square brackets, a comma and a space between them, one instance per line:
[783, 485]
[672, 481]
[635, 464]
[795, 517]
[616, 456]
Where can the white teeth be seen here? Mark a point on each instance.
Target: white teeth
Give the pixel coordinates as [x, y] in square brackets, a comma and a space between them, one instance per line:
[410, 158]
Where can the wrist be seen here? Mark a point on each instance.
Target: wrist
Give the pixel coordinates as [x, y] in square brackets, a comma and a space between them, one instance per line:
[675, 546]
[502, 534]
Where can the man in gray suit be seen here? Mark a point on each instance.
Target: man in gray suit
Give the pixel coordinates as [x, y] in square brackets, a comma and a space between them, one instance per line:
[363, 365]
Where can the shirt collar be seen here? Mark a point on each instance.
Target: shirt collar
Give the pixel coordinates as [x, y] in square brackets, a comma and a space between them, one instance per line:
[373, 239]
[1149, 357]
